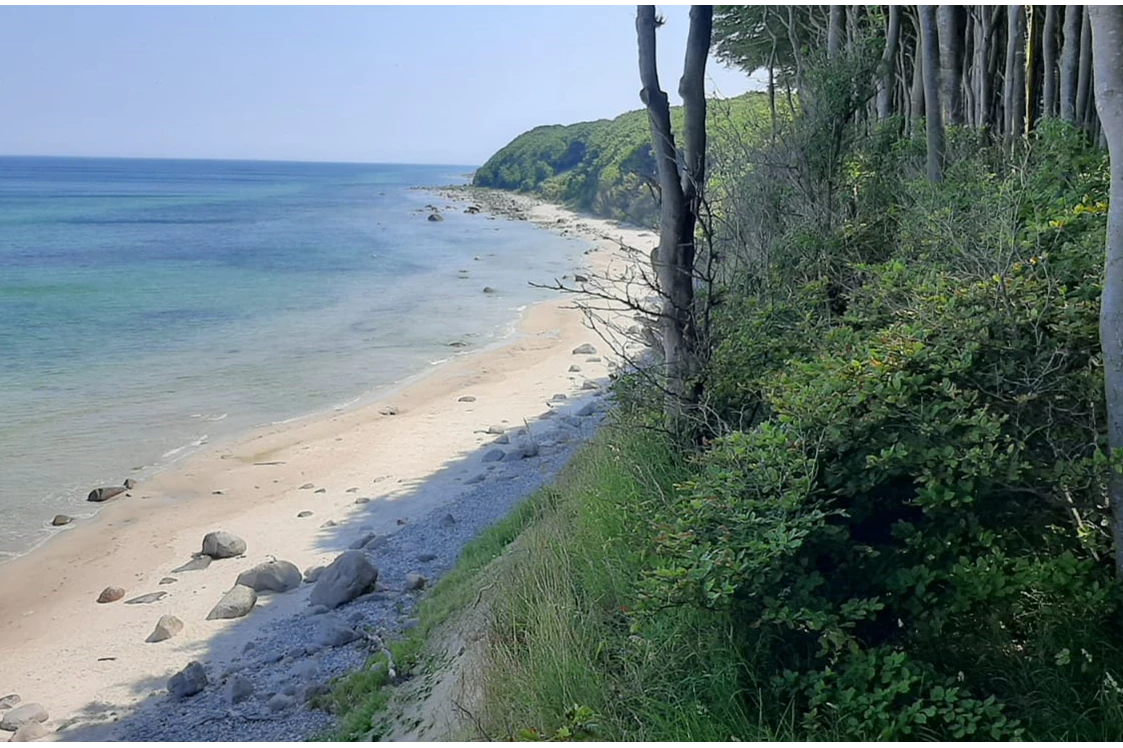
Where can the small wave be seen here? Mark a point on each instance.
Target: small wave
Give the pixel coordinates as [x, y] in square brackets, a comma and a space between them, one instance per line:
[438, 361]
[352, 401]
[197, 443]
[209, 416]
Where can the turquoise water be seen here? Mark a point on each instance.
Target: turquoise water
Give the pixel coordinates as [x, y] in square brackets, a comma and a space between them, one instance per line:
[150, 307]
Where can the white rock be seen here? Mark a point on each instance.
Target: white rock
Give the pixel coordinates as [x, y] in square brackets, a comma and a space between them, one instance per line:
[188, 682]
[16, 718]
[166, 628]
[271, 576]
[236, 603]
[222, 544]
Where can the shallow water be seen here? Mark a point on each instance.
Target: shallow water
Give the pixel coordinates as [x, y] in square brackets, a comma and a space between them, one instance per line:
[150, 307]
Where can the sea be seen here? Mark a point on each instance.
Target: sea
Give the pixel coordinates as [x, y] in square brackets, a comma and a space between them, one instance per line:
[149, 308]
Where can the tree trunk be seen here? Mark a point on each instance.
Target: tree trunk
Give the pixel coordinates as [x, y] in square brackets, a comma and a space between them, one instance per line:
[1049, 60]
[834, 32]
[951, 61]
[981, 65]
[1070, 56]
[1032, 69]
[1015, 88]
[673, 259]
[916, 94]
[888, 60]
[1084, 71]
[930, 57]
[1107, 38]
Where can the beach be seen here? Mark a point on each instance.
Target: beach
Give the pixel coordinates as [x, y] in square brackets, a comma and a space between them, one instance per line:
[407, 454]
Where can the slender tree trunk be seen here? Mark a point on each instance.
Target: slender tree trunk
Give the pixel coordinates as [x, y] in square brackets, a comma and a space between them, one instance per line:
[888, 60]
[1107, 38]
[950, 18]
[681, 195]
[981, 66]
[916, 94]
[1070, 61]
[834, 32]
[930, 56]
[1032, 67]
[1015, 89]
[1049, 60]
[1084, 72]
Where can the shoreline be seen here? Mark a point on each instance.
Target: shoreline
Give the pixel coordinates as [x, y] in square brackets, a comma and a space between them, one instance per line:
[67, 652]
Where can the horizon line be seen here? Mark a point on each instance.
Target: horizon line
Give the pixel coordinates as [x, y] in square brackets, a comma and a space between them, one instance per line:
[237, 160]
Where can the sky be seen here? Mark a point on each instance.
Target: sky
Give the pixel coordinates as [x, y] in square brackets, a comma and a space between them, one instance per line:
[405, 84]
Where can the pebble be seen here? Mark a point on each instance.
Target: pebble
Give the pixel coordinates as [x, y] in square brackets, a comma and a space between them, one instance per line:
[111, 595]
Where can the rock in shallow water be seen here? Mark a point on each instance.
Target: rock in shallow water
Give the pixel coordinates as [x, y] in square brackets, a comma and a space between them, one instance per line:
[16, 718]
[348, 576]
[105, 494]
[271, 576]
[188, 682]
[222, 544]
[61, 519]
[238, 602]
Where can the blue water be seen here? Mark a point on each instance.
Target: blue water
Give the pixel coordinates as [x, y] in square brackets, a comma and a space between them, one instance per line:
[148, 307]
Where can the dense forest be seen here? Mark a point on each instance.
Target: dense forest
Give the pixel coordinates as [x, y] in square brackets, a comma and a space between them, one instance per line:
[864, 489]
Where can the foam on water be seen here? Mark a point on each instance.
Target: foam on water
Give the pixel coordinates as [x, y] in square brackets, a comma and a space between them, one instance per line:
[148, 308]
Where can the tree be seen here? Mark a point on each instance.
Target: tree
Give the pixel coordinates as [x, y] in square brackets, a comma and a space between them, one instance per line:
[1070, 61]
[888, 58]
[1084, 72]
[681, 198]
[1107, 40]
[1049, 58]
[950, 22]
[930, 59]
[1014, 94]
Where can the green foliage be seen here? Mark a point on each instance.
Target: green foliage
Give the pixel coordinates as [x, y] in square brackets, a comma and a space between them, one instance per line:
[605, 167]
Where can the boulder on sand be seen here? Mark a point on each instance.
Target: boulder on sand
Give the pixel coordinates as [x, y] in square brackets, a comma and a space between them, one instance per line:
[236, 603]
[9, 701]
[111, 595]
[348, 576]
[584, 350]
[30, 732]
[166, 628]
[16, 718]
[222, 544]
[271, 576]
[188, 682]
[61, 519]
[105, 494]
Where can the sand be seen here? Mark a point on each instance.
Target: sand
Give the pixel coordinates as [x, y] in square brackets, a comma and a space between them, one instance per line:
[75, 656]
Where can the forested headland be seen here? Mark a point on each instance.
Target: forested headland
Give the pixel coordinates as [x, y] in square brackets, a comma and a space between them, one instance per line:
[867, 484]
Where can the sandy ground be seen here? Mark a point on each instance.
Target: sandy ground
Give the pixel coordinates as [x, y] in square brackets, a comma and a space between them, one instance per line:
[60, 648]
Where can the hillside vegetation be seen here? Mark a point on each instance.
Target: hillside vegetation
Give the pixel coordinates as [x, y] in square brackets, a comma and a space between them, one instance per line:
[603, 167]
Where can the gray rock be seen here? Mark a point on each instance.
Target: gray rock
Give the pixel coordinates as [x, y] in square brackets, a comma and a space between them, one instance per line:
[489, 289]
[503, 439]
[447, 521]
[332, 632]
[238, 689]
[497, 429]
[573, 421]
[312, 573]
[150, 597]
[105, 494]
[290, 689]
[560, 396]
[435, 217]
[348, 576]
[584, 349]
[271, 576]
[16, 718]
[362, 500]
[574, 367]
[523, 449]
[320, 490]
[129, 484]
[352, 490]
[377, 541]
[250, 646]
[492, 455]
[477, 478]
[416, 582]
[589, 384]
[168, 580]
[389, 410]
[466, 399]
[426, 557]
[198, 563]
[61, 519]
[329, 523]
[222, 544]
[30, 732]
[586, 410]
[9, 701]
[166, 628]
[279, 702]
[237, 602]
[111, 595]
[302, 515]
[318, 610]
[359, 542]
[188, 682]
[273, 657]
[307, 486]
